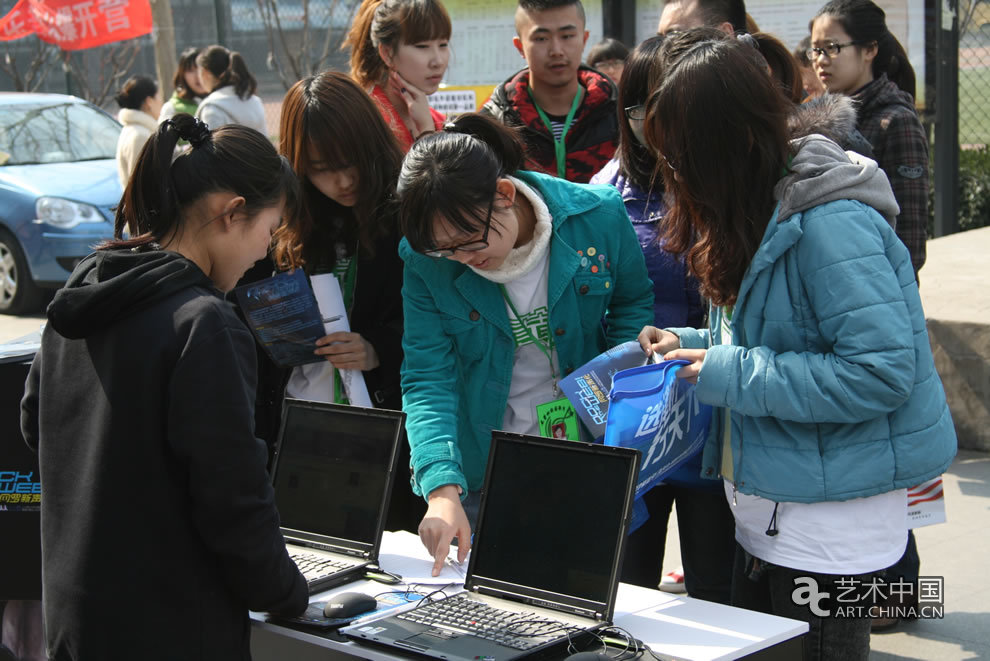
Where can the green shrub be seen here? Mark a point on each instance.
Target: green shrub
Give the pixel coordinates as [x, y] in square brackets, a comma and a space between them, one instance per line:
[974, 190]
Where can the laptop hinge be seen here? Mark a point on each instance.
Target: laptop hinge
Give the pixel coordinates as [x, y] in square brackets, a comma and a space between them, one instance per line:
[541, 603]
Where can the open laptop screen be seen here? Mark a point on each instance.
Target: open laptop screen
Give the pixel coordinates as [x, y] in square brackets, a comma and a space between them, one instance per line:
[332, 469]
[553, 517]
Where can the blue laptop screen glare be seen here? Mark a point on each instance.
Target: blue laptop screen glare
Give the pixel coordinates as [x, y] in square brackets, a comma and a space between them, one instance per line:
[332, 470]
[549, 523]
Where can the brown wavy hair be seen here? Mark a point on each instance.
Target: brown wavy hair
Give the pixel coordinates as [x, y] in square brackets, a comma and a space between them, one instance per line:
[720, 124]
[331, 113]
[391, 22]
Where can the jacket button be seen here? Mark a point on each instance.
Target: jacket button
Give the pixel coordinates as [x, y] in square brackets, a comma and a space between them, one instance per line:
[559, 332]
[583, 289]
[709, 471]
[474, 315]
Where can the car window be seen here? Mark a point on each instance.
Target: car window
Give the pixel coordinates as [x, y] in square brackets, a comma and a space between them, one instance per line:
[55, 133]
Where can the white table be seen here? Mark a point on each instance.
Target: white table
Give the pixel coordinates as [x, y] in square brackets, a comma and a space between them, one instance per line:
[677, 626]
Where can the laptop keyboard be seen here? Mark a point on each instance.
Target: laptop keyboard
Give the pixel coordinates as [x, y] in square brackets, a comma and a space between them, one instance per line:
[521, 631]
[314, 567]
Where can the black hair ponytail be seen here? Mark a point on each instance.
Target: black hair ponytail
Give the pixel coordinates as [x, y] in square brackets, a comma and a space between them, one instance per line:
[453, 174]
[231, 158]
[229, 68]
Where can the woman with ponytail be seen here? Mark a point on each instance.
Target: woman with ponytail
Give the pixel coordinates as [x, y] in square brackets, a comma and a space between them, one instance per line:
[231, 87]
[854, 53]
[508, 278]
[399, 55]
[140, 404]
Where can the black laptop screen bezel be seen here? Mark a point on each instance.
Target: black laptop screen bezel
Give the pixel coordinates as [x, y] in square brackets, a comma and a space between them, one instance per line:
[601, 611]
[371, 550]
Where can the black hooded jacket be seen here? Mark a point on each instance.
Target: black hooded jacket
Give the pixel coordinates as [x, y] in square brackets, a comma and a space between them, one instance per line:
[159, 528]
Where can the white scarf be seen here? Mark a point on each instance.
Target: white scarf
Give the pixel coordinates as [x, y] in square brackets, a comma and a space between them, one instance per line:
[522, 259]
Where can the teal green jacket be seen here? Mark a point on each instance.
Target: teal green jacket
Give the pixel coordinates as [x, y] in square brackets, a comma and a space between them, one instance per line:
[458, 345]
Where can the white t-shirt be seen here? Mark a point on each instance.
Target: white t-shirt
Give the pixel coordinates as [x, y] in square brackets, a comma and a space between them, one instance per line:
[848, 537]
[532, 382]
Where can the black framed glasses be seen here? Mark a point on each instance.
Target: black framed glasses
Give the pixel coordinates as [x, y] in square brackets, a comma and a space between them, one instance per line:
[637, 113]
[470, 246]
[830, 49]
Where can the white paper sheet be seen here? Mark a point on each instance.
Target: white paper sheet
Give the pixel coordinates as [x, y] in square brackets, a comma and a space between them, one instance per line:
[331, 302]
[404, 554]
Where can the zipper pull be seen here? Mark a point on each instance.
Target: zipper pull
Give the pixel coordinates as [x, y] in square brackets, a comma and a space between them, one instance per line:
[734, 502]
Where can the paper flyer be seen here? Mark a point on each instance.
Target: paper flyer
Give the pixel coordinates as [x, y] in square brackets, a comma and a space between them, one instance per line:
[331, 302]
[588, 386]
[282, 313]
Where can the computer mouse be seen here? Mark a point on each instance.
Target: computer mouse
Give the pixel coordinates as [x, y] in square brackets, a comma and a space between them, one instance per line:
[589, 656]
[349, 604]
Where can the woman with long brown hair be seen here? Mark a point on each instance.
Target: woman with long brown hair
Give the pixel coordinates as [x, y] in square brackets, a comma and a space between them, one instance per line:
[816, 356]
[399, 55]
[348, 163]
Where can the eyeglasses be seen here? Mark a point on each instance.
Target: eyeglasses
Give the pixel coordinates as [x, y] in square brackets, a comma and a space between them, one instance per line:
[637, 113]
[830, 49]
[470, 246]
[670, 164]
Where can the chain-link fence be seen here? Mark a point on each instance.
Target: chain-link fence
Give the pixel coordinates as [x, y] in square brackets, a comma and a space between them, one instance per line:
[974, 73]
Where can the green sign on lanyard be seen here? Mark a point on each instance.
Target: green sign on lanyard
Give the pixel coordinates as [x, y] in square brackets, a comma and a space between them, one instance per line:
[560, 149]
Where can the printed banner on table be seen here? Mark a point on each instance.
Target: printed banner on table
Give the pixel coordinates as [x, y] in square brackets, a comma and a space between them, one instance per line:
[658, 414]
[926, 504]
[77, 24]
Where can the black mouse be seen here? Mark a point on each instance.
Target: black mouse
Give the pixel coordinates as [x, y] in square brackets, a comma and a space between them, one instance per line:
[348, 604]
[589, 656]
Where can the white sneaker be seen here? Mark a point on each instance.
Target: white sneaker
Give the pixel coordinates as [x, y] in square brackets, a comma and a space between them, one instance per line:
[673, 581]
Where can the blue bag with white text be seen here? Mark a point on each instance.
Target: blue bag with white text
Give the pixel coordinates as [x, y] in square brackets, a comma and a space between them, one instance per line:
[653, 411]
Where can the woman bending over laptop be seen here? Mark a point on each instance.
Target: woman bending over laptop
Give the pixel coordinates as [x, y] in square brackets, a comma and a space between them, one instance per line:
[508, 278]
[159, 529]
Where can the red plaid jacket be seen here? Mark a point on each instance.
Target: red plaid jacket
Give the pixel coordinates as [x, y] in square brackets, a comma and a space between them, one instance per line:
[888, 119]
[591, 140]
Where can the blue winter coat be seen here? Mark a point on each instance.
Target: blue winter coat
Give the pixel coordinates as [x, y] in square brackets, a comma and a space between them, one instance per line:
[458, 344]
[830, 378]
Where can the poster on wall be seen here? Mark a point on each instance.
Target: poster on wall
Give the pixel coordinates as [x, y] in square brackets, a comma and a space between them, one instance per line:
[482, 54]
[788, 21]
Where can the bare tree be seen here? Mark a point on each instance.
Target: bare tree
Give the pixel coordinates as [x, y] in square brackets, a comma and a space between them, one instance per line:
[41, 59]
[112, 66]
[290, 50]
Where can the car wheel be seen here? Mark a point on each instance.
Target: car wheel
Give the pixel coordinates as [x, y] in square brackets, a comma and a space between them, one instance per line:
[18, 293]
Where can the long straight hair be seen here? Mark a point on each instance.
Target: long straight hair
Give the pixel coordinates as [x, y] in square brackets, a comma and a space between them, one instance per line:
[720, 123]
[640, 77]
[330, 114]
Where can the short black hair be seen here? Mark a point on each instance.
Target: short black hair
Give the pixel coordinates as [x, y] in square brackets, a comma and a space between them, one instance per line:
[543, 5]
[717, 12]
[607, 49]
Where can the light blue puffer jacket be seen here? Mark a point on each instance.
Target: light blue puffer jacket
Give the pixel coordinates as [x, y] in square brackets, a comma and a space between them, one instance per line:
[830, 378]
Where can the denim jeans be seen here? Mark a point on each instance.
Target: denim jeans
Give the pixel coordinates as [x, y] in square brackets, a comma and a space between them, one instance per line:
[761, 586]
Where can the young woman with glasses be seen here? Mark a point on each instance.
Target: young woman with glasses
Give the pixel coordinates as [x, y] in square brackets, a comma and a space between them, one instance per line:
[816, 356]
[854, 53]
[512, 280]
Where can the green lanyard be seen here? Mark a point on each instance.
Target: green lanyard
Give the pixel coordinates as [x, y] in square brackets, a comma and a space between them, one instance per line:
[542, 347]
[559, 147]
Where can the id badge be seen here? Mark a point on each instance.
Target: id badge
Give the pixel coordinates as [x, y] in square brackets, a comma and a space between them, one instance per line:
[558, 419]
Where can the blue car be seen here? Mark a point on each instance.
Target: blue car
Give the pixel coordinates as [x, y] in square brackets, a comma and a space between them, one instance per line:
[58, 189]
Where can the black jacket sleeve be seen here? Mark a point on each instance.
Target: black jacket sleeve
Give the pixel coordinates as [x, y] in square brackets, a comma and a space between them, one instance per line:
[211, 429]
[29, 404]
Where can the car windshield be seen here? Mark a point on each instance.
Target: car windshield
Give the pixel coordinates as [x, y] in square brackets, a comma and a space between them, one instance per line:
[55, 133]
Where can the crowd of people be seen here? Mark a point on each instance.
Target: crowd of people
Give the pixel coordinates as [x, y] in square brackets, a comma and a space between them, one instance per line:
[765, 224]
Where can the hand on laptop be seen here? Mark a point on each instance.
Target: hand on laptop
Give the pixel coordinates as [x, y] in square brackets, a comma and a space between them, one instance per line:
[444, 520]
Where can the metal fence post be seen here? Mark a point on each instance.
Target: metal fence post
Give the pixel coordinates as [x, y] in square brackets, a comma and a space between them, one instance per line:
[947, 118]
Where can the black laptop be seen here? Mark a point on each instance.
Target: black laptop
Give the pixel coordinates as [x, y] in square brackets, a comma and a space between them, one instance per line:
[546, 558]
[333, 478]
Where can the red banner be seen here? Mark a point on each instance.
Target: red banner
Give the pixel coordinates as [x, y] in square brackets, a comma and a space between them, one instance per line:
[77, 24]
